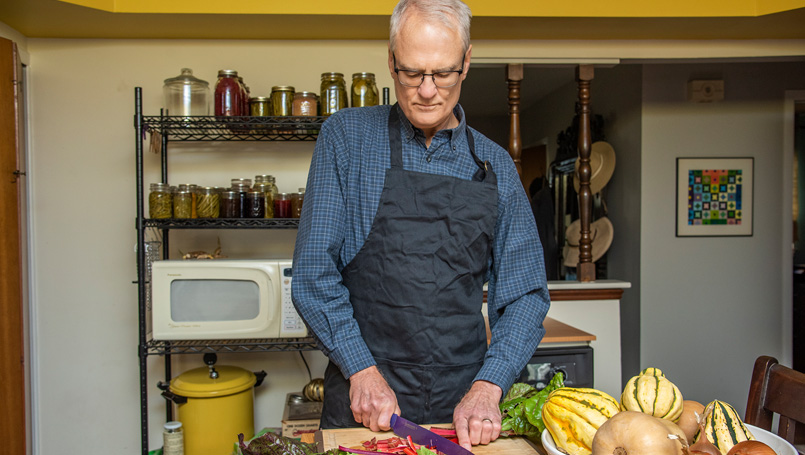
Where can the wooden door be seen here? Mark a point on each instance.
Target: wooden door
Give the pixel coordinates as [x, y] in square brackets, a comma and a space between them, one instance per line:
[12, 320]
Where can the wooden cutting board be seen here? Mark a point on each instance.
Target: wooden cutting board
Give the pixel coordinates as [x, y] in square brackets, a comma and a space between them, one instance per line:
[353, 437]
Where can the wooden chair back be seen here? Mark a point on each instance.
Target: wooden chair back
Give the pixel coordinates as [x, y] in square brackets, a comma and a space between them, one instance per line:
[776, 389]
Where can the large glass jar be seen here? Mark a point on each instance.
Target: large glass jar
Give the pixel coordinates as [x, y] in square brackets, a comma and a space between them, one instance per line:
[271, 195]
[242, 191]
[364, 90]
[208, 202]
[282, 100]
[186, 95]
[333, 93]
[160, 201]
[297, 199]
[228, 94]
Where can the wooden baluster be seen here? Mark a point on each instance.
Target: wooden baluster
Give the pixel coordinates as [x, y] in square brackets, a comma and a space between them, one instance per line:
[514, 74]
[586, 268]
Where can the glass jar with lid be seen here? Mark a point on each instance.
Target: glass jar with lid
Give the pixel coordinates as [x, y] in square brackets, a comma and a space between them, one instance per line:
[255, 204]
[230, 204]
[305, 104]
[208, 202]
[183, 204]
[186, 94]
[333, 93]
[228, 94]
[160, 201]
[297, 199]
[282, 100]
[260, 106]
[282, 206]
[364, 90]
[271, 194]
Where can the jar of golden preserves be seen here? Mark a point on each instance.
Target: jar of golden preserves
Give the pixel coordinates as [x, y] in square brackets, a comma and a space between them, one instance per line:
[364, 90]
[333, 93]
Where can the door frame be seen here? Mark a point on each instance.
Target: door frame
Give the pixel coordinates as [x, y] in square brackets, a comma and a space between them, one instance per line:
[792, 97]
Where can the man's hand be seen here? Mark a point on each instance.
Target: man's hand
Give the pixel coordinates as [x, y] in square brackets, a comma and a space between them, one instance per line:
[477, 416]
[371, 399]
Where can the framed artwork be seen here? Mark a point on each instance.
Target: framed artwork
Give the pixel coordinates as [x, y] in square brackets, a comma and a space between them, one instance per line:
[714, 197]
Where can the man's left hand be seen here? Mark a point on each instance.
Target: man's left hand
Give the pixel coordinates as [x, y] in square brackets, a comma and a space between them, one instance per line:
[477, 416]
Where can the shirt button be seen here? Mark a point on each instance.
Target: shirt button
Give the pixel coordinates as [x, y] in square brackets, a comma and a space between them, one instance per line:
[454, 147]
[428, 159]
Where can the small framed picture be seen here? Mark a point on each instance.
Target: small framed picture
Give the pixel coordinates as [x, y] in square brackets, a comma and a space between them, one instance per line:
[714, 197]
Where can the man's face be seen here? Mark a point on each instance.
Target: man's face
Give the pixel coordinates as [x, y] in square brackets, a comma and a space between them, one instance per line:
[428, 48]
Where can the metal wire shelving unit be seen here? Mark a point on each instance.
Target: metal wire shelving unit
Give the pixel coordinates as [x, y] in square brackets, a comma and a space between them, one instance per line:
[164, 129]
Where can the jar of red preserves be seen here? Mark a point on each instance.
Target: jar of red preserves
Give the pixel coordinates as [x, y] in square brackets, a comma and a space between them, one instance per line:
[228, 94]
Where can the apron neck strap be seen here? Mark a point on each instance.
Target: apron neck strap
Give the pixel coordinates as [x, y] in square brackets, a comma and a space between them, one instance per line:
[395, 144]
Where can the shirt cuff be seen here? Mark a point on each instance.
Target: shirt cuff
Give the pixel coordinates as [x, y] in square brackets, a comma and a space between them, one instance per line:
[498, 373]
[351, 357]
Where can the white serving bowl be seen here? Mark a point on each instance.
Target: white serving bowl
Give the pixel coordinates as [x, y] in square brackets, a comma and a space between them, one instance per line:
[778, 444]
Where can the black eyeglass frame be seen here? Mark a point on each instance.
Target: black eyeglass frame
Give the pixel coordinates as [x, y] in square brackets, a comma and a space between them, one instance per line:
[432, 75]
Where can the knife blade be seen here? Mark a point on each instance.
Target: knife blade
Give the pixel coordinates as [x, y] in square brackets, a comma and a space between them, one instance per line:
[422, 436]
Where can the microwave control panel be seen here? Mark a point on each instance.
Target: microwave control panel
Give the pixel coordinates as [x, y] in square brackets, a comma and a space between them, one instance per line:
[291, 323]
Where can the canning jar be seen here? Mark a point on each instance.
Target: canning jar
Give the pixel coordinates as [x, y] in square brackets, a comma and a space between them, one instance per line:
[242, 190]
[228, 94]
[183, 204]
[305, 104]
[256, 204]
[247, 182]
[230, 204]
[282, 206]
[160, 201]
[186, 95]
[364, 90]
[333, 93]
[271, 194]
[282, 100]
[296, 203]
[259, 106]
[208, 204]
[172, 439]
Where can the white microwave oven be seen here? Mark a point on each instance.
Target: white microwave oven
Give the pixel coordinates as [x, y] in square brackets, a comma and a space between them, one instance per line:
[223, 299]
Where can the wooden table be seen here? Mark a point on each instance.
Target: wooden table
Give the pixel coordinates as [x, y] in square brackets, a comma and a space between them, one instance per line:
[354, 437]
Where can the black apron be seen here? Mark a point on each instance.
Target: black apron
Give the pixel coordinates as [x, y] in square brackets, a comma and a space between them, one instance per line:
[416, 287]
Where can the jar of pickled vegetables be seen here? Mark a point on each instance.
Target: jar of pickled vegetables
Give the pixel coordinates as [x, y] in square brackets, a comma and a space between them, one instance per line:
[271, 194]
[282, 100]
[259, 106]
[183, 204]
[208, 202]
[160, 201]
[333, 93]
[364, 90]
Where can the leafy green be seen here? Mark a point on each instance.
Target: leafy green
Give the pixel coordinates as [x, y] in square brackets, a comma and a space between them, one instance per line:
[274, 444]
[519, 389]
[422, 450]
[522, 415]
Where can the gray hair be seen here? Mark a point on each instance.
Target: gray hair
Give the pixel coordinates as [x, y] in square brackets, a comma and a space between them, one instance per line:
[454, 14]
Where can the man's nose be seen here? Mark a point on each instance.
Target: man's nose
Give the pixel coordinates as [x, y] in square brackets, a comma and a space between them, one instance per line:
[428, 88]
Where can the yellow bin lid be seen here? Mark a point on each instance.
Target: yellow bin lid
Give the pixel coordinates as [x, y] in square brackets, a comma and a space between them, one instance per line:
[197, 383]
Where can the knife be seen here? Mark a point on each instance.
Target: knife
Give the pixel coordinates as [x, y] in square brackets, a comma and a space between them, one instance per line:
[422, 436]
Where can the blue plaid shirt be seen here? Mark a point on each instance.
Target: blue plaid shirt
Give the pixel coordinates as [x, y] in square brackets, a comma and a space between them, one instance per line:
[341, 199]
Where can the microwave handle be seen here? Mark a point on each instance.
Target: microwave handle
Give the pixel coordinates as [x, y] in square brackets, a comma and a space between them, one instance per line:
[261, 375]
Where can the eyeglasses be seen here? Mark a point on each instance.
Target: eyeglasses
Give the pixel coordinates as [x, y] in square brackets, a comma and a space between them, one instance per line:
[441, 79]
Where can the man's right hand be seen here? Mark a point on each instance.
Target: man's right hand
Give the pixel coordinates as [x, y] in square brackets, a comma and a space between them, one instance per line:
[371, 399]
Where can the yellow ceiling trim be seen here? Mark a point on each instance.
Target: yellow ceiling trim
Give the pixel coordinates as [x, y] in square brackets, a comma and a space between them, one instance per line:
[481, 8]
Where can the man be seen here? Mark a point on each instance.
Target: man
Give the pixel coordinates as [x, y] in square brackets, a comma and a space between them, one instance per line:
[407, 213]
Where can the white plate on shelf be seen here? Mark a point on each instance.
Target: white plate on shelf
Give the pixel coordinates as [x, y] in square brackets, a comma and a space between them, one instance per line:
[778, 444]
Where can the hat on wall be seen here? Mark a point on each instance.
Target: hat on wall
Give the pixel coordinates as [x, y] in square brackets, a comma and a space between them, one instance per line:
[601, 232]
[602, 164]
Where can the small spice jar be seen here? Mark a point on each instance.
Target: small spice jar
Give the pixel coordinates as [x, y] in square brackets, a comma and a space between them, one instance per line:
[183, 204]
[305, 104]
[364, 90]
[260, 106]
[282, 100]
[333, 93]
[160, 201]
[208, 203]
[296, 203]
[172, 439]
[230, 204]
[256, 204]
[282, 206]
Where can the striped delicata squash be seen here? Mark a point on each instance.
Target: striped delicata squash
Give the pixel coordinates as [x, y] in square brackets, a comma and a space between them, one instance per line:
[723, 426]
[573, 415]
[652, 393]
